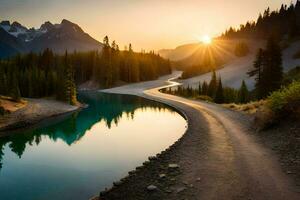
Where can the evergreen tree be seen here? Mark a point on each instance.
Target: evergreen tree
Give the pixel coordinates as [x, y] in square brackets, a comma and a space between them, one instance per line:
[3, 81]
[199, 89]
[212, 85]
[272, 73]
[15, 90]
[257, 73]
[219, 97]
[243, 93]
[204, 88]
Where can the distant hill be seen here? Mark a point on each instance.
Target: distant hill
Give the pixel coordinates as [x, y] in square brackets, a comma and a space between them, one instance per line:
[180, 52]
[16, 38]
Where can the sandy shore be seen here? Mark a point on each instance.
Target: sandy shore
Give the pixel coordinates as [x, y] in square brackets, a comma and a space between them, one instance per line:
[35, 111]
[219, 157]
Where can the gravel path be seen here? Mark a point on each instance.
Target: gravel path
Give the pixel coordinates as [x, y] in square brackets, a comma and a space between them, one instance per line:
[219, 157]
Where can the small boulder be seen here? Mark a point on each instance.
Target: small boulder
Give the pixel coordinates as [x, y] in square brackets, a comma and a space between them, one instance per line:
[161, 176]
[151, 188]
[173, 166]
[181, 189]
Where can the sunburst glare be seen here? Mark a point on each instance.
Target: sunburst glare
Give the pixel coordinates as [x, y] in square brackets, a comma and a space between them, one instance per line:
[206, 39]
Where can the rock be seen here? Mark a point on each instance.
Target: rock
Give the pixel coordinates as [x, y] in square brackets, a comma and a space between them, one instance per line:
[191, 185]
[151, 188]
[168, 191]
[173, 166]
[181, 189]
[198, 179]
[185, 183]
[162, 176]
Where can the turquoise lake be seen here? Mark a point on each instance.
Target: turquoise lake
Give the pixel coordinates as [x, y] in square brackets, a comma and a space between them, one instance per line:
[78, 155]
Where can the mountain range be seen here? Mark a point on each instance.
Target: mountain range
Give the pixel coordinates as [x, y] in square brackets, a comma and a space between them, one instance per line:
[16, 38]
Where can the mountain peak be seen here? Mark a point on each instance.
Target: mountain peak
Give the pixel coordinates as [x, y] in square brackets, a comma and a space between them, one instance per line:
[66, 22]
[47, 26]
[5, 23]
[18, 25]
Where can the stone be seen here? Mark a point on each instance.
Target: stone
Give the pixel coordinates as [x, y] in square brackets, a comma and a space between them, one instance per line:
[162, 176]
[151, 188]
[181, 189]
[173, 166]
[198, 179]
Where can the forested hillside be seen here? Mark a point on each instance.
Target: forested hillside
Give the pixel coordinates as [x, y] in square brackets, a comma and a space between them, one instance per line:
[48, 74]
[278, 23]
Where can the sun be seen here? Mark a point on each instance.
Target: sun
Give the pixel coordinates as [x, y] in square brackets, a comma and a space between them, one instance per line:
[206, 39]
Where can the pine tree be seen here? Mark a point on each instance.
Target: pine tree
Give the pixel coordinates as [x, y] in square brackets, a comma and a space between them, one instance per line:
[3, 81]
[272, 73]
[243, 93]
[199, 89]
[219, 97]
[69, 87]
[204, 88]
[15, 90]
[212, 85]
[257, 72]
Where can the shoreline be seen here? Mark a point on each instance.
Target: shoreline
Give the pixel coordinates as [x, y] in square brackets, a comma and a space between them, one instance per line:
[36, 111]
[202, 169]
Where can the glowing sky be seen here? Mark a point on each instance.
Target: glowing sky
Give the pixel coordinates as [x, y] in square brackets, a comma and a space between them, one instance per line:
[147, 24]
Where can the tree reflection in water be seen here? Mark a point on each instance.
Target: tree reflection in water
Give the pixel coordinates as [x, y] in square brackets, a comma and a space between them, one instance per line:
[109, 108]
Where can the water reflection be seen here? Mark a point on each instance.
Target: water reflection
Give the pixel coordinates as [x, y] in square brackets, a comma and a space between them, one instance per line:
[105, 108]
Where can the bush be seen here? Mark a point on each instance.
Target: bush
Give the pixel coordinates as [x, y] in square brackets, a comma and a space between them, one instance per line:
[286, 100]
[204, 98]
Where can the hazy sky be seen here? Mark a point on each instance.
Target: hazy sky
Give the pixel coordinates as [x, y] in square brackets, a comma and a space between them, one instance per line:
[147, 24]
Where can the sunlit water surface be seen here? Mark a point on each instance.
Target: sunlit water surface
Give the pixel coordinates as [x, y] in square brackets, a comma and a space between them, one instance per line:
[76, 156]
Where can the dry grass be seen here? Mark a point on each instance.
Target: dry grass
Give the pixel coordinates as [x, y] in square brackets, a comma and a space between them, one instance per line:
[250, 108]
[10, 105]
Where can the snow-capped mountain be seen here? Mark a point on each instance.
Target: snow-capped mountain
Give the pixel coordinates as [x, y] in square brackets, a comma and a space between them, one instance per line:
[58, 37]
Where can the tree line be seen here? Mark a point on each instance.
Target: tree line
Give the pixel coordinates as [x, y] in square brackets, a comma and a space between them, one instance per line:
[267, 71]
[213, 91]
[43, 74]
[285, 21]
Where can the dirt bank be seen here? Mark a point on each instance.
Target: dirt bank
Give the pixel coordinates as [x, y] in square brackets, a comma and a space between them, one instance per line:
[35, 111]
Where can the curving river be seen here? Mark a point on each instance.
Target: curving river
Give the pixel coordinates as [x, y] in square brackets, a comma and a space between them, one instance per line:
[76, 156]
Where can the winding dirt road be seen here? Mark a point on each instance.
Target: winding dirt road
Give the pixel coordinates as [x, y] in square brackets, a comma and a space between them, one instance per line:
[219, 158]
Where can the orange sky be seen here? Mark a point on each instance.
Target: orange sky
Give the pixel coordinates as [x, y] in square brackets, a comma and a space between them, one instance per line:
[152, 24]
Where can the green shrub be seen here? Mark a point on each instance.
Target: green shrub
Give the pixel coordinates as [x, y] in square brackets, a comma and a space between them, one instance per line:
[286, 100]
